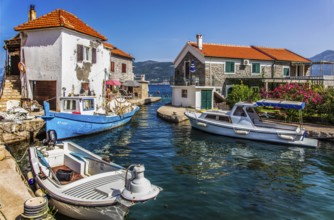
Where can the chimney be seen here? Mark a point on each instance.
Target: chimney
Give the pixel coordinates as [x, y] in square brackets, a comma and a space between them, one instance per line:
[32, 13]
[199, 41]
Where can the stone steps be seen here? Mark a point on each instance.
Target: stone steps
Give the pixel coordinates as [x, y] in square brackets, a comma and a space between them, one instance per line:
[11, 91]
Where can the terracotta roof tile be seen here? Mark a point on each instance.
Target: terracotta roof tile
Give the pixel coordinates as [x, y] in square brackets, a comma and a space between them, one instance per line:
[60, 18]
[282, 54]
[116, 51]
[231, 51]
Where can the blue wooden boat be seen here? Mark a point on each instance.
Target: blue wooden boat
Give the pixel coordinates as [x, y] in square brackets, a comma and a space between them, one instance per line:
[78, 116]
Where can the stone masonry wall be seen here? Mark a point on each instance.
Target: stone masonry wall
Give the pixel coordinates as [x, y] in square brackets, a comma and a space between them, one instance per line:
[180, 71]
[117, 74]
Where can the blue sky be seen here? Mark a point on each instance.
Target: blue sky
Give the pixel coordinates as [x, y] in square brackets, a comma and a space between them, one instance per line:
[158, 29]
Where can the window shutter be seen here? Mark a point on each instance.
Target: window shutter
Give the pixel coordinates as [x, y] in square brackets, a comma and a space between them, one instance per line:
[79, 53]
[229, 67]
[94, 55]
[123, 68]
[112, 66]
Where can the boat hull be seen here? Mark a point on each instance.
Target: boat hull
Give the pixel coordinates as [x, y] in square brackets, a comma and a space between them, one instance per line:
[72, 125]
[117, 211]
[251, 133]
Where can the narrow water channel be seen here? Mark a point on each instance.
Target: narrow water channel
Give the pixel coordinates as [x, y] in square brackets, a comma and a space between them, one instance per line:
[212, 177]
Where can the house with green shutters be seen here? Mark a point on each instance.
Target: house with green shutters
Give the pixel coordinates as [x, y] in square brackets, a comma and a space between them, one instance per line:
[218, 67]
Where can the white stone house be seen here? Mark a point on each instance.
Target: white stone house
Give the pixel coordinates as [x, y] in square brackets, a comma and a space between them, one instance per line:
[222, 66]
[62, 55]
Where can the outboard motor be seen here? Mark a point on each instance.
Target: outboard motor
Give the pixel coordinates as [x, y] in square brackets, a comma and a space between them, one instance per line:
[51, 138]
[138, 188]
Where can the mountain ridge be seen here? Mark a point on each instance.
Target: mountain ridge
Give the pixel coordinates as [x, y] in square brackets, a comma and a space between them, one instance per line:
[154, 71]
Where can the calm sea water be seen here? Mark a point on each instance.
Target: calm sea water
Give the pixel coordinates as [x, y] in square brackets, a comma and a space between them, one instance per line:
[213, 177]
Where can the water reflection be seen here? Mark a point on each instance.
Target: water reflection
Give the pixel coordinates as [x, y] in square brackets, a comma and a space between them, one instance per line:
[209, 157]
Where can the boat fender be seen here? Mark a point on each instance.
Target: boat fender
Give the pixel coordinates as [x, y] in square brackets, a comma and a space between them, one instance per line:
[286, 137]
[76, 113]
[201, 124]
[30, 178]
[39, 193]
[21, 67]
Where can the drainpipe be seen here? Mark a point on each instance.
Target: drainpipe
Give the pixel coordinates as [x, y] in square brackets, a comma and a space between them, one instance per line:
[210, 72]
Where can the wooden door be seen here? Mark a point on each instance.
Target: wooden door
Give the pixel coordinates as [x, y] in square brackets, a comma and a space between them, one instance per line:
[206, 99]
[45, 90]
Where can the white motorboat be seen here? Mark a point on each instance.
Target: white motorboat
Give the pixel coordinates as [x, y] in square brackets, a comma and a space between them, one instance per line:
[82, 185]
[244, 122]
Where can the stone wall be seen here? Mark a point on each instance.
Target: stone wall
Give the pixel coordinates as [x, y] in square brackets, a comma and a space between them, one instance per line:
[12, 132]
[180, 71]
[117, 74]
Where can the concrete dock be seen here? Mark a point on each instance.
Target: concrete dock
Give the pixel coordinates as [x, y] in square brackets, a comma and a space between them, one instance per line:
[144, 101]
[172, 113]
[13, 189]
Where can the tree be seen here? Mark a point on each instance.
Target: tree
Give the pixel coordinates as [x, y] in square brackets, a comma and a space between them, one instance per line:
[241, 93]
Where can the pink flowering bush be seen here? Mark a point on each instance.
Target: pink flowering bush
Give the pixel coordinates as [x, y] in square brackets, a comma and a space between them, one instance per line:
[296, 92]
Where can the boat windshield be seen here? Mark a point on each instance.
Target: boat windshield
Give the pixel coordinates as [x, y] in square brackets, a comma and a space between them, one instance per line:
[239, 112]
[69, 105]
[88, 104]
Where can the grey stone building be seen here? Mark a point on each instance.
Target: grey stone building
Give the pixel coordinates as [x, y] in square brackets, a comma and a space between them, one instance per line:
[120, 65]
[222, 66]
[205, 70]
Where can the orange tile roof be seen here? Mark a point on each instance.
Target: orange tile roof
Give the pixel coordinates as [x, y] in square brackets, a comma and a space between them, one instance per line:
[230, 51]
[282, 54]
[116, 51]
[108, 45]
[60, 18]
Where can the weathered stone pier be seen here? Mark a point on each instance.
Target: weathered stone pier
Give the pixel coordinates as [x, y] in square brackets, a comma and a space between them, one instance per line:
[14, 189]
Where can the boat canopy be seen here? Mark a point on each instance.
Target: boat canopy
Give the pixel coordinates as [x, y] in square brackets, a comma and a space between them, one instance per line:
[281, 104]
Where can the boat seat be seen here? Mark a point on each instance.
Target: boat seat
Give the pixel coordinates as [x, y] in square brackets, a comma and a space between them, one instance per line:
[78, 166]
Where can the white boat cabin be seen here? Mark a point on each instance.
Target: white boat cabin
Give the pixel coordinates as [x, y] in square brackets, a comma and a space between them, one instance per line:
[84, 105]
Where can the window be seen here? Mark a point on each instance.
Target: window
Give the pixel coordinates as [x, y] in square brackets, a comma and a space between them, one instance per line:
[86, 54]
[255, 68]
[184, 93]
[229, 67]
[79, 53]
[286, 71]
[229, 89]
[93, 55]
[224, 119]
[112, 66]
[88, 104]
[70, 105]
[123, 68]
[212, 117]
[186, 69]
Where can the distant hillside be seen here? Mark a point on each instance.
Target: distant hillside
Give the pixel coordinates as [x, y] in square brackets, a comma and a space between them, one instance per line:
[327, 55]
[154, 71]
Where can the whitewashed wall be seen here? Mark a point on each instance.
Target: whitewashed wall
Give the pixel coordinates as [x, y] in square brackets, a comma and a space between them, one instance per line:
[97, 73]
[42, 56]
[194, 96]
[178, 100]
